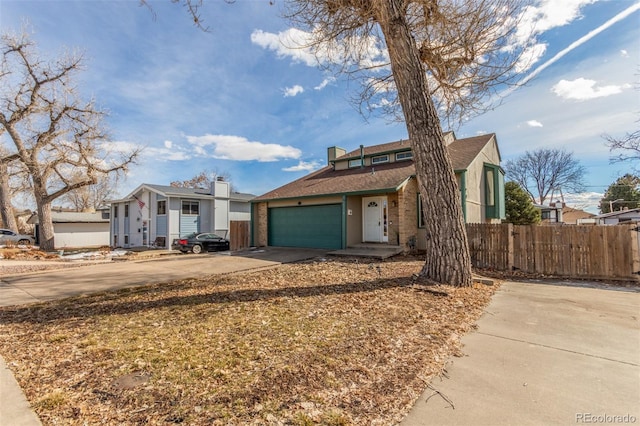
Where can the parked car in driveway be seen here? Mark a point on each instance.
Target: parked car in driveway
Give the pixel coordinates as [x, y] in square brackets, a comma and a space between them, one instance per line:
[197, 243]
[7, 236]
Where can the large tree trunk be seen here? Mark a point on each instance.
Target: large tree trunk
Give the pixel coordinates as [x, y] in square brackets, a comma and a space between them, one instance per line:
[6, 208]
[45, 221]
[448, 260]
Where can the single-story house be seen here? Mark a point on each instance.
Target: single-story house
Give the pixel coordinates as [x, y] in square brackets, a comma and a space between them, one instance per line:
[155, 215]
[618, 217]
[370, 195]
[76, 229]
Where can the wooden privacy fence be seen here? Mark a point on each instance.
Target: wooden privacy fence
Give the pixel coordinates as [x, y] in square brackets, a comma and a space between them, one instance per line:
[576, 251]
[239, 234]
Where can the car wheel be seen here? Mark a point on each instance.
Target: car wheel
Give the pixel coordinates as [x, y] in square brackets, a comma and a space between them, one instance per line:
[24, 242]
[197, 249]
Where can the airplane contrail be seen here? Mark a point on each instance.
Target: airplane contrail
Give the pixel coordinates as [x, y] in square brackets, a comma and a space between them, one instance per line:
[619, 17]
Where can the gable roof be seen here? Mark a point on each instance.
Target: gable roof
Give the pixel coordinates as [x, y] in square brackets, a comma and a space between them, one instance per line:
[464, 151]
[387, 177]
[327, 181]
[175, 191]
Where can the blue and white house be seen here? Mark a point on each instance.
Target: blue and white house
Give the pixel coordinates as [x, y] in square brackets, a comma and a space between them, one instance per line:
[155, 215]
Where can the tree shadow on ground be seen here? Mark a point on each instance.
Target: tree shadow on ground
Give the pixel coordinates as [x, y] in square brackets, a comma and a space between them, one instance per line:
[138, 299]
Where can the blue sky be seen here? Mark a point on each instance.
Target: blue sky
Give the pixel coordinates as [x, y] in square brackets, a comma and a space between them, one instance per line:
[234, 100]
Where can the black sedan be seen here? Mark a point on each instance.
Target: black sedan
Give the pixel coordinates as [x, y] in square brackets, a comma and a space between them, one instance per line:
[197, 243]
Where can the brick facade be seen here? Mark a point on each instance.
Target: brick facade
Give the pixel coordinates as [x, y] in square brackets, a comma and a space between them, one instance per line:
[262, 231]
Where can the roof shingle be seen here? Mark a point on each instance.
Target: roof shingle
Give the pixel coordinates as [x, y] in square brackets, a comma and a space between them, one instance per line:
[382, 177]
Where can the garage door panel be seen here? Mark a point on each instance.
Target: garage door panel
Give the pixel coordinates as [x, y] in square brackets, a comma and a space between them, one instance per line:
[308, 226]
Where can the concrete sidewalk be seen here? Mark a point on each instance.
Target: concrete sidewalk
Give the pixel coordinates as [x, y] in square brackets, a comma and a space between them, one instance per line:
[60, 283]
[543, 355]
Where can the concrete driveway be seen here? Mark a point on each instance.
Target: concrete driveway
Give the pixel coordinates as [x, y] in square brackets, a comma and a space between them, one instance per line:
[61, 283]
[543, 355]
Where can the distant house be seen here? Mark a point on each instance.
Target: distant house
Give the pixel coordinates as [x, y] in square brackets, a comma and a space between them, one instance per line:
[550, 214]
[573, 216]
[76, 229]
[155, 215]
[618, 217]
[371, 195]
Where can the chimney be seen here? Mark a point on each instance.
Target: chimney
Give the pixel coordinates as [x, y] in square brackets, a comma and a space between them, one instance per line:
[333, 153]
[361, 156]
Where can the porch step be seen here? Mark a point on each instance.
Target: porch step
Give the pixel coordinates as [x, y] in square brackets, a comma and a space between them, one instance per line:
[376, 251]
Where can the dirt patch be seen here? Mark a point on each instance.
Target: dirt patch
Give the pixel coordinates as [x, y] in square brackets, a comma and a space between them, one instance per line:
[320, 342]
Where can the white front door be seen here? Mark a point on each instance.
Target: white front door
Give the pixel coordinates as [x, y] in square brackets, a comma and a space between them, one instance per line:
[374, 222]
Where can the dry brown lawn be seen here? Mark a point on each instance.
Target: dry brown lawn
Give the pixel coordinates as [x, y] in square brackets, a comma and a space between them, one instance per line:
[333, 342]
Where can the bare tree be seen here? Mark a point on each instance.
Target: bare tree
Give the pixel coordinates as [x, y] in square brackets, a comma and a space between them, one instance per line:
[203, 180]
[445, 58]
[543, 171]
[628, 147]
[59, 139]
[91, 197]
[6, 207]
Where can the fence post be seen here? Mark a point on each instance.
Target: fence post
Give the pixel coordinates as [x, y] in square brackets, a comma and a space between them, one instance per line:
[510, 246]
[635, 250]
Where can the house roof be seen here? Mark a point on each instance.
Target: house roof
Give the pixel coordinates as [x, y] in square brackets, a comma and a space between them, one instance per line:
[629, 212]
[74, 217]
[387, 177]
[175, 191]
[571, 215]
[327, 181]
[462, 151]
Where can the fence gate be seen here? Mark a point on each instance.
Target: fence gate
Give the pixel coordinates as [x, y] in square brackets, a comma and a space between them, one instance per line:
[240, 234]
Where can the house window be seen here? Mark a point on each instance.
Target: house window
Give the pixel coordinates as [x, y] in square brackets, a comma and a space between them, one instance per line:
[190, 207]
[546, 214]
[494, 191]
[126, 210]
[380, 159]
[126, 240]
[115, 211]
[490, 192]
[115, 241]
[162, 207]
[355, 163]
[404, 155]
[420, 213]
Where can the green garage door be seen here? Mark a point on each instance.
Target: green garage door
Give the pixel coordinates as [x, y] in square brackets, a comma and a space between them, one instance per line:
[308, 226]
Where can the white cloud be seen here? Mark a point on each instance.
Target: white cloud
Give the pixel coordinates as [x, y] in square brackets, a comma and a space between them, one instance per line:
[624, 53]
[237, 148]
[299, 46]
[582, 89]
[293, 91]
[530, 56]
[325, 83]
[289, 43]
[168, 152]
[587, 201]
[547, 14]
[534, 123]
[303, 166]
